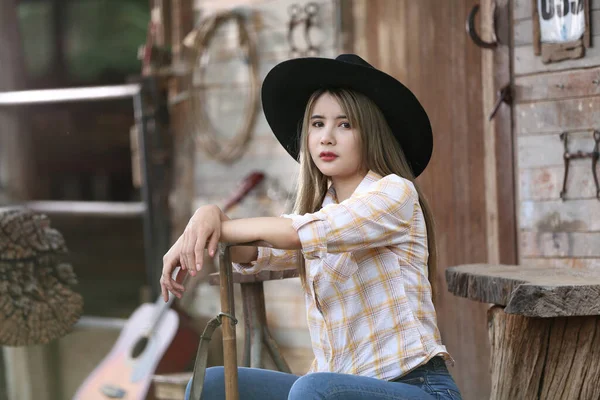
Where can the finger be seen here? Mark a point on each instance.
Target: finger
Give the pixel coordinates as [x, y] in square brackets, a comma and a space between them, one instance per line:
[182, 259]
[164, 292]
[189, 240]
[214, 242]
[199, 247]
[169, 262]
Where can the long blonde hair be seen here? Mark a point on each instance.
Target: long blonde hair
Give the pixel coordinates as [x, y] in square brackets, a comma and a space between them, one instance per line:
[381, 154]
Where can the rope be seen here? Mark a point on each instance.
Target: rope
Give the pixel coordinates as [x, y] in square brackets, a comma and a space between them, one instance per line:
[224, 150]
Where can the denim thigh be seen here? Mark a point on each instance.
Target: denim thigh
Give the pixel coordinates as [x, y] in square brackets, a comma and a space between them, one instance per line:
[253, 384]
[434, 379]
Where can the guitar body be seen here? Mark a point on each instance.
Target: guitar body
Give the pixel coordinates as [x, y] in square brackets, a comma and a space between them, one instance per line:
[119, 376]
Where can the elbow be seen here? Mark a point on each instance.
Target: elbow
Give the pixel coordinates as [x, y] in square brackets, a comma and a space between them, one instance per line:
[294, 240]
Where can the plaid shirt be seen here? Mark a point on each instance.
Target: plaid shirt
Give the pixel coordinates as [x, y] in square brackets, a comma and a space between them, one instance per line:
[369, 304]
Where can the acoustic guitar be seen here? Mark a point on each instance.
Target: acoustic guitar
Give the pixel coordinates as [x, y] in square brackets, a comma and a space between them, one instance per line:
[126, 372]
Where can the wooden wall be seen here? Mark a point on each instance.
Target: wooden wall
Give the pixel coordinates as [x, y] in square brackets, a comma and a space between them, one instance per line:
[550, 99]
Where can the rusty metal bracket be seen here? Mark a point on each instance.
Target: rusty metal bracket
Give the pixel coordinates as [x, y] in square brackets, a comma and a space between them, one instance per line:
[307, 16]
[594, 155]
[504, 96]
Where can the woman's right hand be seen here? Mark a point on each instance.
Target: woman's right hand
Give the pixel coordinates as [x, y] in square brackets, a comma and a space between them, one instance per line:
[188, 250]
[202, 231]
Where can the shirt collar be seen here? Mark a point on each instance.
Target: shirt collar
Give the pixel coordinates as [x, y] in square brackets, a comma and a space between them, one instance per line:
[370, 178]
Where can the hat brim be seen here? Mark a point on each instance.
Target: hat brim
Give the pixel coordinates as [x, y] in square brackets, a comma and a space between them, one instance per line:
[288, 86]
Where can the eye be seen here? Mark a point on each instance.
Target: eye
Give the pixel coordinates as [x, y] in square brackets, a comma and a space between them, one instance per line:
[317, 124]
[346, 125]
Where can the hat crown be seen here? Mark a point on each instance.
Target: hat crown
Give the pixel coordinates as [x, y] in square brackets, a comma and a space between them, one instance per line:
[353, 59]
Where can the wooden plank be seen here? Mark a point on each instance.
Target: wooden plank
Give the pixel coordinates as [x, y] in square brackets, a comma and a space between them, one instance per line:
[557, 85]
[560, 244]
[592, 264]
[522, 9]
[546, 183]
[528, 291]
[501, 149]
[523, 29]
[557, 116]
[526, 62]
[536, 151]
[568, 216]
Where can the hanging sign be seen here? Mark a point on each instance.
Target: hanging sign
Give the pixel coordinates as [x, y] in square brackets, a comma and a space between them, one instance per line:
[561, 20]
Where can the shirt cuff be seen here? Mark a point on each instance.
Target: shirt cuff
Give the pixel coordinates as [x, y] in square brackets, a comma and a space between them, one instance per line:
[262, 260]
[313, 231]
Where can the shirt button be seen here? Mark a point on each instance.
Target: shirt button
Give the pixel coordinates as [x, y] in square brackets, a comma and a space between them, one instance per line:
[421, 379]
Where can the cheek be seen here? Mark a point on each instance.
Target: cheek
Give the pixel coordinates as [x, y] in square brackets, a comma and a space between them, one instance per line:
[313, 142]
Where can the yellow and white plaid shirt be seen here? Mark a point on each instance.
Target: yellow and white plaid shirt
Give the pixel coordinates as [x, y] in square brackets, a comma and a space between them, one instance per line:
[369, 305]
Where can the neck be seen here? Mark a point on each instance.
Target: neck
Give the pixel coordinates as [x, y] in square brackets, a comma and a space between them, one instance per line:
[344, 187]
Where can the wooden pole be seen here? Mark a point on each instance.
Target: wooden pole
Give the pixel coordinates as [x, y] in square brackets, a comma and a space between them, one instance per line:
[16, 176]
[228, 327]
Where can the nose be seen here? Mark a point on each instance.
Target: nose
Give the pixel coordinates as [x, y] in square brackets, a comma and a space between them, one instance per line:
[327, 136]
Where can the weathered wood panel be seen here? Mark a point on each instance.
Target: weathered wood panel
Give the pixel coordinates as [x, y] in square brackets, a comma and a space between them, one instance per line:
[522, 9]
[557, 116]
[550, 359]
[560, 244]
[524, 59]
[557, 85]
[548, 150]
[523, 29]
[546, 183]
[568, 216]
[526, 62]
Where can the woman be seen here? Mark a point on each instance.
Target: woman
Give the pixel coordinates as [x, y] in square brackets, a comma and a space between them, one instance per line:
[361, 236]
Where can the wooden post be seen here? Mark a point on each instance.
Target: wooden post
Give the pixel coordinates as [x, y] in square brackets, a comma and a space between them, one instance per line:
[182, 192]
[544, 358]
[228, 327]
[15, 161]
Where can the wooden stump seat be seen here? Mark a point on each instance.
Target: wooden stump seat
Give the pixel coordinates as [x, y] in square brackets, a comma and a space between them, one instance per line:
[544, 328]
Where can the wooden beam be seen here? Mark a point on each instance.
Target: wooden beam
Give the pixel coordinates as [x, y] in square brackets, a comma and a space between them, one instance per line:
[498, 140]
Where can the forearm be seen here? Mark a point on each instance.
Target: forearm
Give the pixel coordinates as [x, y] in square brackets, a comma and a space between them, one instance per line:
[278, 232]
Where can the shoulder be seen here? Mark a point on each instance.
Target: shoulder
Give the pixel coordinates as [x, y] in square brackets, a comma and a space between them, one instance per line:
[394, 186]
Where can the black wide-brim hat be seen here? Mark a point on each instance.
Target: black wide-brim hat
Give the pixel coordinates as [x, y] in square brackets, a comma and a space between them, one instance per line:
[288, 86]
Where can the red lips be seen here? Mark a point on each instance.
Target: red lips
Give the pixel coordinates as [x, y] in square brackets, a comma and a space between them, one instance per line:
[328, 156]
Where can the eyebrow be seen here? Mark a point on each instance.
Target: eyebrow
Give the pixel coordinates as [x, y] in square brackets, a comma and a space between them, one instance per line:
[322, 117]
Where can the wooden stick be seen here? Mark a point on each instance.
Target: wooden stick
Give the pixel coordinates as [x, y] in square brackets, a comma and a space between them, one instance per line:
[229, 338]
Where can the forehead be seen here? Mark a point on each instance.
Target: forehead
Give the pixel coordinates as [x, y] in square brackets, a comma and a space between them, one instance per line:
[327, 104]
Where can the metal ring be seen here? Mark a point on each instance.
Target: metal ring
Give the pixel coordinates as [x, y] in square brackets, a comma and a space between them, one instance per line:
[231, 317]
[470, 25]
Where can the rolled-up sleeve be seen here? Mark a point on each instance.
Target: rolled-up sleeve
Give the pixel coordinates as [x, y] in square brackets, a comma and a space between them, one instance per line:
[378, 217]
[270, 260]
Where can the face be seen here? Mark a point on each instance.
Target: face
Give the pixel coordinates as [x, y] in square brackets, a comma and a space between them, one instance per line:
[334, 145]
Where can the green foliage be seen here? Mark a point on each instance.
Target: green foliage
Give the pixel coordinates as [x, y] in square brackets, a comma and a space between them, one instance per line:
[100, 36]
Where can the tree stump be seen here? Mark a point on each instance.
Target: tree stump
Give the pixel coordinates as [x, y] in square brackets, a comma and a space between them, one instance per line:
[544, 358]
[37, 304]
[544, 330]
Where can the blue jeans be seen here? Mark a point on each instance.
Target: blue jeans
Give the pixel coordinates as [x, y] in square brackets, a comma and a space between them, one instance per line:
[431, 381]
